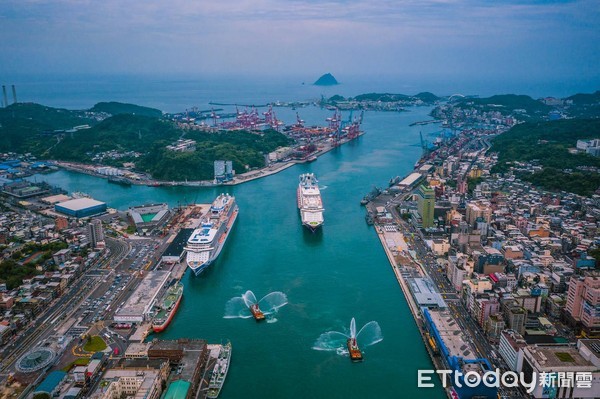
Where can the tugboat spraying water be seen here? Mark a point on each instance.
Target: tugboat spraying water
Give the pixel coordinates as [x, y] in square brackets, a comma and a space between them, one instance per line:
[348, 343]
[256, 312]
[354, 350]
[237, 307]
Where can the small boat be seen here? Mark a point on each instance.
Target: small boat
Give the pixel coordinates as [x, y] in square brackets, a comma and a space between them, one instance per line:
[353, 349]
[256, 312]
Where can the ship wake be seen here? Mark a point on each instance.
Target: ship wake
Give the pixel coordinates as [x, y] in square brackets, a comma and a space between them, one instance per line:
[237, 307]
[368, 335]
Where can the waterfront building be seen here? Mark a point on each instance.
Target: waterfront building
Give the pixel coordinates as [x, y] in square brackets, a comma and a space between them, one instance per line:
[81, 207]
[583, 302]
[189, 356]
[457, 353]
[223, 171]
[410, 180]
[95, 233]
[510, 348]
[426, 205]
[148, 217]
[135, 382]
[176, 249]
[280, 154]
[137, 307]
[425, 294]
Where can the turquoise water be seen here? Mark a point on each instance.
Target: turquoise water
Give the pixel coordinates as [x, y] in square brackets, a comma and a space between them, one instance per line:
[328, 277]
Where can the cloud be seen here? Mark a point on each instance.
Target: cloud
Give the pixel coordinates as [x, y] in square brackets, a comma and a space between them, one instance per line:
[301, 36]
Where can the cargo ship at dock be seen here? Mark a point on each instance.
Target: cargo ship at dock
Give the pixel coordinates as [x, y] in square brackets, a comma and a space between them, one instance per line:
[219, 373]
[310, 204]
[207, 241]
[167, 309]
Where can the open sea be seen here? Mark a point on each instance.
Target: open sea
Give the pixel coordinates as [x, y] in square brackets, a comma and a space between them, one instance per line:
[329, 277]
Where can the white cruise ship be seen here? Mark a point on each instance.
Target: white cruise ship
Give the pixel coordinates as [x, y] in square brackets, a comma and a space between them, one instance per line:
[206, 242]
[309, 202]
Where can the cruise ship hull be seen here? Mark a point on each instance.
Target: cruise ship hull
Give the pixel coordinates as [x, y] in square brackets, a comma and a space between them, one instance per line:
[199, 267]
[312, 228]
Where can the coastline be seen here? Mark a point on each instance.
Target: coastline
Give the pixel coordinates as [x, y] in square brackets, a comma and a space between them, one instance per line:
[238, 179]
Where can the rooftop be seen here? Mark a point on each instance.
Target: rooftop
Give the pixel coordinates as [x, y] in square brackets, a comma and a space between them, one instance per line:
[425, 292]
[51, 381]
[452, 335]
[556, 357]
[141, 300]
[80, 203]
[177, 390]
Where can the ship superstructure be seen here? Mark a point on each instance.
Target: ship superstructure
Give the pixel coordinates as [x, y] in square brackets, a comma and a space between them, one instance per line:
[310, 204]
[206, 242]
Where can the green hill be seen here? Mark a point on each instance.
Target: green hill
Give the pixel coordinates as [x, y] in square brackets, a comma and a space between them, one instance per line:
[116, 108]
[23, 126]
[243, 148]
[43, 131]
[585, 98]
[388, 97]
[427, 97]
[507, 104]
[123, 132]
[548, 143]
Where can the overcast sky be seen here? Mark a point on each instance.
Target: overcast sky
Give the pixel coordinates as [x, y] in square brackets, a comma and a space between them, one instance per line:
[478, 39]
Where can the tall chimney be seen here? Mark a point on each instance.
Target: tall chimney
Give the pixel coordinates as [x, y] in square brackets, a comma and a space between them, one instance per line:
[14, 94]
[5, 96]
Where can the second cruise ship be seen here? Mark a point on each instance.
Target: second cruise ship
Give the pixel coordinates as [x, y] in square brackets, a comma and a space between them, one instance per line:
[309, 202]
[206, 242]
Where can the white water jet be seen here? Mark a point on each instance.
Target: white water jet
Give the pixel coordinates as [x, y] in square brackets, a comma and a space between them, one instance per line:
[368, 335]
[237, 307]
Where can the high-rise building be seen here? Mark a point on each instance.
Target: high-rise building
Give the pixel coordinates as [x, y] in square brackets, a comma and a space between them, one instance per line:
[95, 232]
[510, 348]
[426, 205]
[515, 317]
[223, 171]
[478, 210]
[583, 304]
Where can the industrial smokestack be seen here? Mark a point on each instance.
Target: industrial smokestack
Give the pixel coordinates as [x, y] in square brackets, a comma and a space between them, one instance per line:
[5, 96]
[14, 94]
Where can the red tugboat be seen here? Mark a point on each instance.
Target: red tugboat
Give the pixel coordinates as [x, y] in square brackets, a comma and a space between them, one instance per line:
[353, 349]
[256, 312]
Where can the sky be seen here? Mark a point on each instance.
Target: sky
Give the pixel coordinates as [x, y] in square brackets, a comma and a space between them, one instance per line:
[450, 39]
